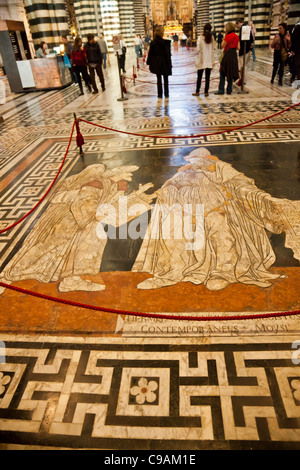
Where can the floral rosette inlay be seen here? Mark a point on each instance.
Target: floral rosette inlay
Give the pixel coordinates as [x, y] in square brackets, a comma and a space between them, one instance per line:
[4, 380]
[144, 391]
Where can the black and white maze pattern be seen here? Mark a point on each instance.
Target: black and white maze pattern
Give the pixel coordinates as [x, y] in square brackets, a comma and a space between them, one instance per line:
[114, 394]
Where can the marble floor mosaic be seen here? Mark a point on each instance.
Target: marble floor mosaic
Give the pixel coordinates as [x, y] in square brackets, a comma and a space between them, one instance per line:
[209, 368]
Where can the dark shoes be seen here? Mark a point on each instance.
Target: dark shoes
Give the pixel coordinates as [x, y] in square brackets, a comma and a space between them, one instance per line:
[196, 94]
[218, 93]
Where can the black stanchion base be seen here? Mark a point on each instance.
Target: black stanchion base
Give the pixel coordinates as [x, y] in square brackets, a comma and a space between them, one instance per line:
[122, 99]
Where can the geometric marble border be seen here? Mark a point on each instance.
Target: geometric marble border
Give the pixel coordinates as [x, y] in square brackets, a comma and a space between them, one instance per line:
[79, 393]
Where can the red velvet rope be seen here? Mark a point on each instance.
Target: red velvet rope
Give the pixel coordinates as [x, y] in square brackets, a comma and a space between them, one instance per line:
[48, 190]
[149, 315]
[154, 83]
[195, 135]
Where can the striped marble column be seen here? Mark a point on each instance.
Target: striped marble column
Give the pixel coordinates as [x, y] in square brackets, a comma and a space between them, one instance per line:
[234, 9]
[48, 20]
[127, 20]
[87, 17]
[202, 15]
[138, 17]
[293, 12]
[110, 16]
[259, 13]
[278, 15]
[216, 15]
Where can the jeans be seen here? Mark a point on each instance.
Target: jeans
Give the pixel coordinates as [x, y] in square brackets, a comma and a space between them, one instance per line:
[199, 79]
[104, 59]
[159, 85]
[138, 51]
[222, 84]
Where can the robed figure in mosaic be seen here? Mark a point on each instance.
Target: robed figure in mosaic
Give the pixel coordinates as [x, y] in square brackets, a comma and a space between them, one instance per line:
[64, 244]
[236, 217]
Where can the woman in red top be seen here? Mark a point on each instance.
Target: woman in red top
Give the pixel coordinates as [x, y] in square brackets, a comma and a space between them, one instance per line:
[79, 63]
[229, 65]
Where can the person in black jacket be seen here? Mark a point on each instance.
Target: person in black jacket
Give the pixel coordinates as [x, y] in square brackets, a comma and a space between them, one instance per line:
[94, 58]
[159, 60]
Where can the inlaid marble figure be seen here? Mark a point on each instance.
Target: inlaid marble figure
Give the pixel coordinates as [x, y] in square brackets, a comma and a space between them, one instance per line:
[64, 245]
[237, 217]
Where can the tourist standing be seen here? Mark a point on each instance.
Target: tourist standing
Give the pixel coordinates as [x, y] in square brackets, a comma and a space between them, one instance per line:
[103, 49]
[79, 63]
[138, 46]
[229, 63]
[281, 45]
[175, 39]
[220, 39]
[159, 60]
[245, 48]
[94, 58]
[67, 46]
[205, 58]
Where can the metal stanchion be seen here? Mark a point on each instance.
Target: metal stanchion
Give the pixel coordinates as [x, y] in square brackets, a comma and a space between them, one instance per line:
[123, 98]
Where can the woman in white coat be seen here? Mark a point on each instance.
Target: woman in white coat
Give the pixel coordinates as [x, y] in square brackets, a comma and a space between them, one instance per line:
[205, 58]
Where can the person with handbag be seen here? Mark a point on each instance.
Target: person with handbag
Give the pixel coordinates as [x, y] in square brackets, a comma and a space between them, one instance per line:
[281, 45]
[159, 60]
[228, 61]
[205, 58]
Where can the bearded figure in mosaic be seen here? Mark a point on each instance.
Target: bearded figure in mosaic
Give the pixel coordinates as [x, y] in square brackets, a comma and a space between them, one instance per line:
[64, 245]
[234, 245]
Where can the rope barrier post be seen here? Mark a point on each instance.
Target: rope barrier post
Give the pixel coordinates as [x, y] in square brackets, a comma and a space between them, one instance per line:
[79, 136]
[123, 98]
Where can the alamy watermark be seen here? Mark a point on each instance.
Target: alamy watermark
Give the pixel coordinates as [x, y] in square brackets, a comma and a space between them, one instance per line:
[2, 92]
[2, 352]
[296, 94]
[175, 222]
[296, 354]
